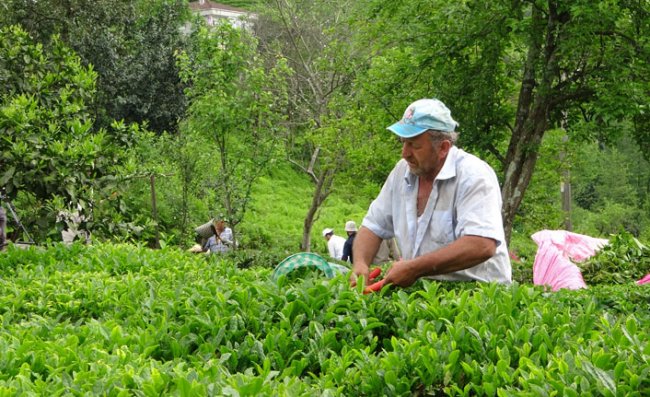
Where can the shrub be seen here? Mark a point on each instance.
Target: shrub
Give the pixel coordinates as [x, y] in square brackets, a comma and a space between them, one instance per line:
[624, 260]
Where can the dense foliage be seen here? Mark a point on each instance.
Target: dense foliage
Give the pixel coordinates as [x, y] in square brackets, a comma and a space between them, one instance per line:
[130, 44]
[121, 320]
[623, 259]
[50, 149]
[558, 85]
[352, 67]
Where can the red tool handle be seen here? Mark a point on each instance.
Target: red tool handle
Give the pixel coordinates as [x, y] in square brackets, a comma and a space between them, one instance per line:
[374, 273]
[374, 287]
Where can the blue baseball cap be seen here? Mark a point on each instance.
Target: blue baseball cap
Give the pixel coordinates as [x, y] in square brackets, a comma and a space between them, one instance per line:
[423, 115]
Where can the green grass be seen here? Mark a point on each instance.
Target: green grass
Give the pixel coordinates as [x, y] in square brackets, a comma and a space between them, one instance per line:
[245, 4]
[279, 206]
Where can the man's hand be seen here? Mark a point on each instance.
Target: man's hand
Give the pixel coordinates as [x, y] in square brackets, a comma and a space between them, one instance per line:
[402, 273]
[358, 271]
[364, 249]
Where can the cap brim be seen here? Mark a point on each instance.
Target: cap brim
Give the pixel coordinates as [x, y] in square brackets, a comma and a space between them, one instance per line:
[406, 130]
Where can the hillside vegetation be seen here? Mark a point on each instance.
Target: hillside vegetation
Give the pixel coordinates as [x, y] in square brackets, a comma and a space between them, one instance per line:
[122, 119]
[280, 201]
[121, 320]
[126, 124]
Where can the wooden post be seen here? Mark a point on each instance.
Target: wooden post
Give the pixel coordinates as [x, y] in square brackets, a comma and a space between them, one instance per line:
[565, 184]
[152, 179]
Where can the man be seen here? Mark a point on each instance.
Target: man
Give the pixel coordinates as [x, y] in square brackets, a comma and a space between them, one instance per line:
[442, 205]
[351, 230]
[334, 243]
[221, 240]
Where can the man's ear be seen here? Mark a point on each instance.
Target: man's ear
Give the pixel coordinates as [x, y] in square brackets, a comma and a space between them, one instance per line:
[445, 146]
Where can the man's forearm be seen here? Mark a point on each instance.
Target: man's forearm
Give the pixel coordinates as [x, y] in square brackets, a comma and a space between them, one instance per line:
[466, 252]
[365, 247]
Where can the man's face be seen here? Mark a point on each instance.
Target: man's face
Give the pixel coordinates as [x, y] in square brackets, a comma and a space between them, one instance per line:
[423, 156]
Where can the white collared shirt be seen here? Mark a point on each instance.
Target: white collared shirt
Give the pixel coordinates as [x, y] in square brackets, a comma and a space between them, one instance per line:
[465, 200]
[335, 246]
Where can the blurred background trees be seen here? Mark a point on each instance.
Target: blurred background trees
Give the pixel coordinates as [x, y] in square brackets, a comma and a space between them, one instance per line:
[105, 103]
[130, 45]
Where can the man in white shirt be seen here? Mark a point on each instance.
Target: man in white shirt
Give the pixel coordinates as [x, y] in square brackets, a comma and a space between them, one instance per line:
[335, 243]
[442, 205]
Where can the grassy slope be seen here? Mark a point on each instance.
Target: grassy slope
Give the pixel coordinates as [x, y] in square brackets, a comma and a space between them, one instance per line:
[245, 4]
[280, 203]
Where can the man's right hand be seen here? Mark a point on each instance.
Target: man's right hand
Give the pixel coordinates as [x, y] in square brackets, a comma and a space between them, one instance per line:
[364, 250]
[359, 271]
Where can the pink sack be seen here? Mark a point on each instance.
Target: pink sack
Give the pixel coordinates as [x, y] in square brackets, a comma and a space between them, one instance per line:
[555, 250]
[644, 280]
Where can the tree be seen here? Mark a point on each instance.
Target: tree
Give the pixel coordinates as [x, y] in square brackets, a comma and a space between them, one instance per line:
[236, 100]
[48, 147]
[324, 127]
[510, 71]
[131, 46]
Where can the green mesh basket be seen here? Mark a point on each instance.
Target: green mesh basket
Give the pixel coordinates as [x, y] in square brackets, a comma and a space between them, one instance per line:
[308, 259]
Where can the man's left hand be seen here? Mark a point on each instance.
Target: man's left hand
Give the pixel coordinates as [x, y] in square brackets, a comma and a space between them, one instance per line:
[402, 273]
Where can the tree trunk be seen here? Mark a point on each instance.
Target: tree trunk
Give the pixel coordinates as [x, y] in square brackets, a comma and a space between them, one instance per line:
[307, 226]
[226, 172]
[154, 209]
[533, 111]
[322, 190]
[520, 168]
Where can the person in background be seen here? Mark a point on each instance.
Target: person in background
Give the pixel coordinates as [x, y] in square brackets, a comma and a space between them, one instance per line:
[387, 252]
[442, 205]
[351, 230]
[222, 239]
[334, 243]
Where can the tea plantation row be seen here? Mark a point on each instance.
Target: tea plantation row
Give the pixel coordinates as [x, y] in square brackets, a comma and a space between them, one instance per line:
[121, 320]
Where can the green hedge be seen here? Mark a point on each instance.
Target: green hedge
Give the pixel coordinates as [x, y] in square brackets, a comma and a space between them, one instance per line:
[121, 320]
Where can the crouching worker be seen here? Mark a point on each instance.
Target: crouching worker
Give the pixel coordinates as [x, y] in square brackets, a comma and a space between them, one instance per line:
[442, 205]
[222, 239]
[213, 236]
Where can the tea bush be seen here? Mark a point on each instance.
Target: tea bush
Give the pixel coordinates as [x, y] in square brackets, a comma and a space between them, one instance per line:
[622, 260]
[124, 320]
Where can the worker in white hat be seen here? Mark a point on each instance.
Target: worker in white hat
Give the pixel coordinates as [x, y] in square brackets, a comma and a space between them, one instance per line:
[334, 243]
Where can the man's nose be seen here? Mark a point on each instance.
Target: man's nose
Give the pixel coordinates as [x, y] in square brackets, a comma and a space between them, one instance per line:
[406, 151]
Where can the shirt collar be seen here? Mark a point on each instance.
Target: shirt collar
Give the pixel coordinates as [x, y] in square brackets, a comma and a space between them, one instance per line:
[448, 170]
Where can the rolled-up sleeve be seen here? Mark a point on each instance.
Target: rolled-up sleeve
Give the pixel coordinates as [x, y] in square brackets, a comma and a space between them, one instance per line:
[478, 205]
